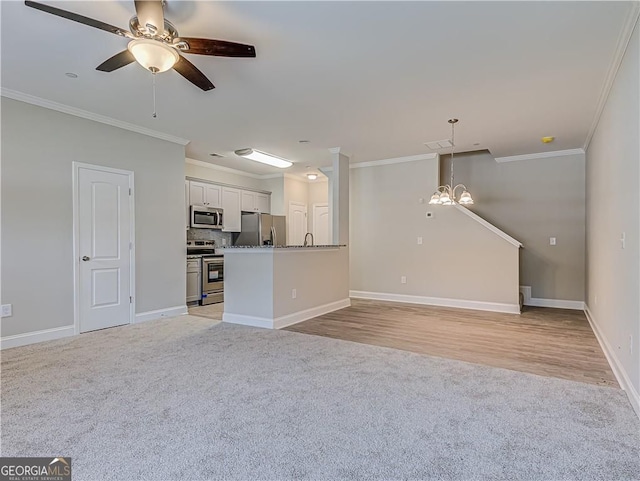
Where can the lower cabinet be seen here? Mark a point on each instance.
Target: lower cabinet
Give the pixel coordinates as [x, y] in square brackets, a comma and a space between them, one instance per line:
[193, 280]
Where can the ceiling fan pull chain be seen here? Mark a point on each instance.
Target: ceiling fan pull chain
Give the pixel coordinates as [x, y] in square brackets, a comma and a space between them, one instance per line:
[154, 95]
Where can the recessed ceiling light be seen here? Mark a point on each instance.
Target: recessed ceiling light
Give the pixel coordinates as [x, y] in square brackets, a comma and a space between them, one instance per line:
[439, 144]
[476, 144]
[304, 141]
[214, 154]
[71, 75]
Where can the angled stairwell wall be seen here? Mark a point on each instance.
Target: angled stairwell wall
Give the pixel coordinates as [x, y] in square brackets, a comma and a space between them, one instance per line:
[462, 261]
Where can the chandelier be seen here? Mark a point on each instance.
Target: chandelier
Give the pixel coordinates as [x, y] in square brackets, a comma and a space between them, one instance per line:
[446, 194]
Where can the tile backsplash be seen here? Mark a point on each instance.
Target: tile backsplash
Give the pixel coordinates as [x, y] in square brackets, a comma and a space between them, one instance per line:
[210, 234]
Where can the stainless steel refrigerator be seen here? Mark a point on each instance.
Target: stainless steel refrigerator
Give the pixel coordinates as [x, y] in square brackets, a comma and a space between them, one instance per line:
[262, 229]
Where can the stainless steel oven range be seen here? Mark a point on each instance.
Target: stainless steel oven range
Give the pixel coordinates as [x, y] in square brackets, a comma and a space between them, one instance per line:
[205, 273]
[212, 279]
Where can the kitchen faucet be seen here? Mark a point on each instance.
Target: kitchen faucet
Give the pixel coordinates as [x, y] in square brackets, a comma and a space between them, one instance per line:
[305, 239]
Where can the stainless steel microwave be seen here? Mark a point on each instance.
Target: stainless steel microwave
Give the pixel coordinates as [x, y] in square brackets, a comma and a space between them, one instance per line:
[206, 217]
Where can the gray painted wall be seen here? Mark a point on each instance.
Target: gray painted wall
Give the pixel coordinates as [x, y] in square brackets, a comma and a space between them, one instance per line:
[38, 148]
[459, 258]
[533, 200]
[613, 172]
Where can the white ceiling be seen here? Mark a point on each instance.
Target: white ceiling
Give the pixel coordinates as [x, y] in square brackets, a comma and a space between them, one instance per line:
[377, 79]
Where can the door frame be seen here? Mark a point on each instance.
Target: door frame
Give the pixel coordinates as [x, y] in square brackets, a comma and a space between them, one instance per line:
[76, 166]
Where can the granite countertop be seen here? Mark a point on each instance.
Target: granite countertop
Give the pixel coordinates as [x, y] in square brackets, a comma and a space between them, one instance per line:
[286, 247]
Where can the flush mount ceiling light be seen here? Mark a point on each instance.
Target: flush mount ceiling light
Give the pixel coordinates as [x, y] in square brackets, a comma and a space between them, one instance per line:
[312, 176]
[265, 158]
[153, 55]
[446, 194]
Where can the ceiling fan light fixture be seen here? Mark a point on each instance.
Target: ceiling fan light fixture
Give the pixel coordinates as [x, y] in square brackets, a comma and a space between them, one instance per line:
[264, 158]
[153, 55]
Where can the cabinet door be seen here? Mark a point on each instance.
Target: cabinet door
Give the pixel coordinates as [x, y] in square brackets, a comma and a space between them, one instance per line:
[193, 286]
[197, 193]
[248, 201]
[231, 209]
[263, 203]
[213, 195]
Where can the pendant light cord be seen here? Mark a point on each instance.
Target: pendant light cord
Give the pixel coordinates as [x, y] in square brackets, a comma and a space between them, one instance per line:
[453, 124]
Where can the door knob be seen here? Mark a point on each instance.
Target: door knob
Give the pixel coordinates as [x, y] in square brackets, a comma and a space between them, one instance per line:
[85, 258]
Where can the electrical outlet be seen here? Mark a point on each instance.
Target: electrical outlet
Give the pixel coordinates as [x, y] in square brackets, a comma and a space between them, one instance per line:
[623, 240]
[294, 293]
[420, 200]
[419, 241]
[6, 310]
[403, 280]
[595, 300]
[429, 215]
[552, 241]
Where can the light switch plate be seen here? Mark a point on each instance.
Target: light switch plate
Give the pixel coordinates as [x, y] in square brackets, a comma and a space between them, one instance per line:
[552, 241]
[6, 310]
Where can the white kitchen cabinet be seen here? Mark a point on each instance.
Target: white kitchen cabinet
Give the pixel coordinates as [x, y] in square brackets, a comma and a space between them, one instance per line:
[263, 203]
[231, 203]
[201, 193]
[255, 202]
[193, 280]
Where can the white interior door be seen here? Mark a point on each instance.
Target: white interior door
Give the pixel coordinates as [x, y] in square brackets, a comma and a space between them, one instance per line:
[297, 220]
[321, 224]
[104, 242]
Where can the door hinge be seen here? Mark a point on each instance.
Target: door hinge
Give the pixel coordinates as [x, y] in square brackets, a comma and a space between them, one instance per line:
[130, 245]
[129, 190]
[130, 299]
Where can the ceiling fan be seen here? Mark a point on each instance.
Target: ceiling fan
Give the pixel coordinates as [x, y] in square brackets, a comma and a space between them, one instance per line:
[155, 43]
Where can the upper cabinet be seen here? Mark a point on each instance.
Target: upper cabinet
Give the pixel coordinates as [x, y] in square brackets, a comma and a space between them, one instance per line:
[201, 193]
[231, 217]
[256, 202]
[232, 200]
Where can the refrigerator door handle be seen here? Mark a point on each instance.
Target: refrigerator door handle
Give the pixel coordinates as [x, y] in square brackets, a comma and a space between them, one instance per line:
[274, 237]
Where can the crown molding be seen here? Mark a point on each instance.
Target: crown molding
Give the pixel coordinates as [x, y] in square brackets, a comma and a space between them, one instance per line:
[540, 155]
[85, 114]
[616, 62]
[396, 160]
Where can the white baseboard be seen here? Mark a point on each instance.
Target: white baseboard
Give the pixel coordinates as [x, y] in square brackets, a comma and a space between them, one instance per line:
[439, 301]
[160, 313]
[37, 336]
[300, 316]
[616, 365]
[284, 321]
[556, 303]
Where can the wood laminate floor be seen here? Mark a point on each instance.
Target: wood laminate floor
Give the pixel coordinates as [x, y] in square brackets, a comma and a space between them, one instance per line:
[548, 342]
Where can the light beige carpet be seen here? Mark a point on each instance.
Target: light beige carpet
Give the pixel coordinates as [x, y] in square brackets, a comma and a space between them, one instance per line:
[190, 398]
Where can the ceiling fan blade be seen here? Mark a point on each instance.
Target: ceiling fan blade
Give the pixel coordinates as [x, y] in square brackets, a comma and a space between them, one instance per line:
[79, 18]
[114, 63]
[192, 74]
[150, 12]
[220, 48]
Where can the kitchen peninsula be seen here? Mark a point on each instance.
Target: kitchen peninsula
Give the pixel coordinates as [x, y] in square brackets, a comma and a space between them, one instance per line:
[276, 286]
